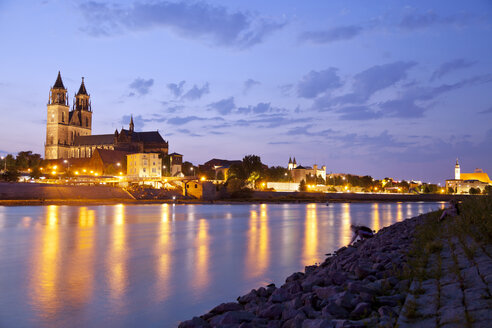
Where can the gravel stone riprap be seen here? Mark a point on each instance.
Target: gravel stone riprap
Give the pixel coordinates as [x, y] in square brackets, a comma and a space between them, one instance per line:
[359, 286]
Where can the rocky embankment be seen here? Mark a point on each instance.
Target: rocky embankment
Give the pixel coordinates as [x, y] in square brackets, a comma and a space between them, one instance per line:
[359, 286]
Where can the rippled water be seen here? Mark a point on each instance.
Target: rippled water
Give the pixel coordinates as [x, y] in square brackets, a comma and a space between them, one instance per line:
[155, 265]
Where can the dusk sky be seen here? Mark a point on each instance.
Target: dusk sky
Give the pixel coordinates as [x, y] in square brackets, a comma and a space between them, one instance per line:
[385, 88]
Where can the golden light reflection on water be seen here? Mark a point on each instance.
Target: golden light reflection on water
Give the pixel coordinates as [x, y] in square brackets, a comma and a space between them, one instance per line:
[116, 261]
[202, 256]
[258, 255]
[375, 217]
[310, 235]
[163, 251]
[44, 268]
[399, 212]
[345, 226]
[78, 275]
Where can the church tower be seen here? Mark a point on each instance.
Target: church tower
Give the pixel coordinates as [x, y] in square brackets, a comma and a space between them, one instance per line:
[457, 170]
[57, 145]
[81, 115]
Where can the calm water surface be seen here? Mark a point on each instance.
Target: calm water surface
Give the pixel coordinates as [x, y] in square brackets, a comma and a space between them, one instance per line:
[155, 265]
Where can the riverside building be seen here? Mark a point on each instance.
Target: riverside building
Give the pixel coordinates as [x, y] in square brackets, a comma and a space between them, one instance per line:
[463, 182]
[69, 132]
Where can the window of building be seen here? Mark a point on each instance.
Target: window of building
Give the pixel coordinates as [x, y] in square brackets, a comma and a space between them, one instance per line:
[63, 117]
[87, 122]
[144, 170]
[196, 186]
[153, 170]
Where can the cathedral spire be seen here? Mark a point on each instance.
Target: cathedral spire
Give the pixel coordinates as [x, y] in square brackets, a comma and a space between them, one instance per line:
[132, 126]
[82, 99]
[58, 93]
[82, 90]
[59, 83]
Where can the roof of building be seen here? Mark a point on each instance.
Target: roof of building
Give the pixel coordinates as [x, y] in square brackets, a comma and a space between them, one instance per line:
[224, 163]
[58, 83]
[480, 176]
[175, 154]
[82, 90]
[300, 167]
[96, 139]
[150, 136]
[111, 156]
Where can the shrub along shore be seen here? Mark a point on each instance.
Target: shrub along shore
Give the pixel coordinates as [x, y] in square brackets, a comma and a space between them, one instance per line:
[414, 273]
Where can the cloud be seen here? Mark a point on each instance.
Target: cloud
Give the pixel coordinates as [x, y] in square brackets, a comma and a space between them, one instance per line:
[140, 87]
[486, 111]
[189, 133]
[332, 35]
[380, 77]
[248, 84]
[260, 108]
[414, 20]
[196, 92]
[183, 120]
[405, 107]
[271, 120]
[367, 83]
[224, 106]
[451, 66]
[358, 113]
[315, 83]
[286, 89]
[174, 109]
[280, 143]
[192, 20]
[176, 88]
[138, 121]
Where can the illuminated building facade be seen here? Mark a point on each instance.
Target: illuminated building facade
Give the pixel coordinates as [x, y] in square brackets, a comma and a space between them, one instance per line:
[463, 182]
[144, 165]
[69, 133]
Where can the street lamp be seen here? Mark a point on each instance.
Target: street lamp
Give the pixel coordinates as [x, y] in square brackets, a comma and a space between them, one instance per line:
[192, 171]
[4, 163]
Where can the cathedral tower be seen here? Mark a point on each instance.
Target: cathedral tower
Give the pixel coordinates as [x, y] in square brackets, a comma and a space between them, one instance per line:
[81, 115]
[56, 145]
[457, 170]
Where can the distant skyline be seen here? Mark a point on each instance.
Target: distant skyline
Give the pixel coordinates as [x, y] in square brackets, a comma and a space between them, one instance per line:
[394, 88]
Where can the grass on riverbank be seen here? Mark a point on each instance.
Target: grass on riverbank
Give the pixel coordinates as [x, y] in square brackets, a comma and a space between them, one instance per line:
[475, 220]
[471, 229]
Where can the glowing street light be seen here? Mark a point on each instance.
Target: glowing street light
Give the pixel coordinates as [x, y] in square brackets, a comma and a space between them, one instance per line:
[118, 164]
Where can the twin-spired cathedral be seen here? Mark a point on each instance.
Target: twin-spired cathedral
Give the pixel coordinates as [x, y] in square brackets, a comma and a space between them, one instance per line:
[69, 132]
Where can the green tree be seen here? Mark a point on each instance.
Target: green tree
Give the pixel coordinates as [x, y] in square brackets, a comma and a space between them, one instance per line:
[488, 190]
[252, 163]
[220, 175]
[188, 169]
[11, 175]
[166, 165]
[10, 162]
[237, 171]
[474, 191]
[277, 174]
[35, 173]
[302, 185]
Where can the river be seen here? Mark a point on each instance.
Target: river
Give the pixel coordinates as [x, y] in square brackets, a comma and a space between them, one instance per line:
[155, 265]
